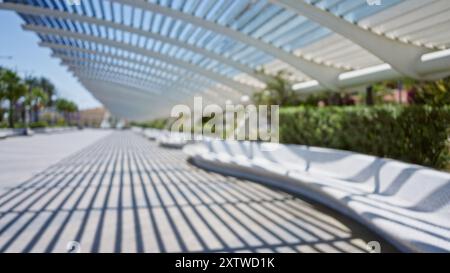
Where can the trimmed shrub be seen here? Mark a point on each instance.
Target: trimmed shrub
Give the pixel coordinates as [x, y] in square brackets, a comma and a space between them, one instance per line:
[415, 134]
[38, 124]
[161, 123]
[60, 122]
[19, 125]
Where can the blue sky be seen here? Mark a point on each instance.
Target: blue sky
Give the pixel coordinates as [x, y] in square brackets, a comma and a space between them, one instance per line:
[29, 58]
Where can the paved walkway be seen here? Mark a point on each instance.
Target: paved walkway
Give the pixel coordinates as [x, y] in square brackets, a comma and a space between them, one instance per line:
[23, 157]
[126, 194]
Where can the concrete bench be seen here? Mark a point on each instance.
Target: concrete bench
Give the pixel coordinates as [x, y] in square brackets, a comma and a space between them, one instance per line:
[173, 140]
[408, 205]
[153, 134]
[137, 130]
[166, 138]
[170, 139]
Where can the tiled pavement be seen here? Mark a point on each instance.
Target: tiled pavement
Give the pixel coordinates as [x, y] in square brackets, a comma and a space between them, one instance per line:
[127, 194]
[23, 157]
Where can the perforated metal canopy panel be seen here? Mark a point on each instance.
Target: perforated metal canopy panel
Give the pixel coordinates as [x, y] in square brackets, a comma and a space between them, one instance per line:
[139, 57]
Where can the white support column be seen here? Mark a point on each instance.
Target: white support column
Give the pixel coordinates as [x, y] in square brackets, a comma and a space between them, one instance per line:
[431, 68]
[403, 57]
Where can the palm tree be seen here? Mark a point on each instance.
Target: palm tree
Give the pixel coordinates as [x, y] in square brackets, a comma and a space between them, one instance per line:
[31, 82]
[66, 107]
[36, 99]
[12, 89]
[48, 87]
[71, 109]
[278, 90]
[2, 92]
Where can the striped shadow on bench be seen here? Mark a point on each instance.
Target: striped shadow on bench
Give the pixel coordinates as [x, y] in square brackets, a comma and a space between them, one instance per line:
[408, 205]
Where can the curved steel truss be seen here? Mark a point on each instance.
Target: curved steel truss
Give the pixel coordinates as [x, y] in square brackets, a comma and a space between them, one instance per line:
[167, 51]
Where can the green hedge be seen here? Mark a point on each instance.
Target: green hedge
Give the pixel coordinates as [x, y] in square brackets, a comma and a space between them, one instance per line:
[416, 134]
[156, 124]
[38, 124]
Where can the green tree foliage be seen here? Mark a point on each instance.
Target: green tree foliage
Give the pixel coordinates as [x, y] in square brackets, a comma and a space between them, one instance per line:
[64, 105]
[33, 93]
[278, 91]
[67, 108]
[12, 90]
[435, 93]
[47, 86]
[161, 123]
[36, 99]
